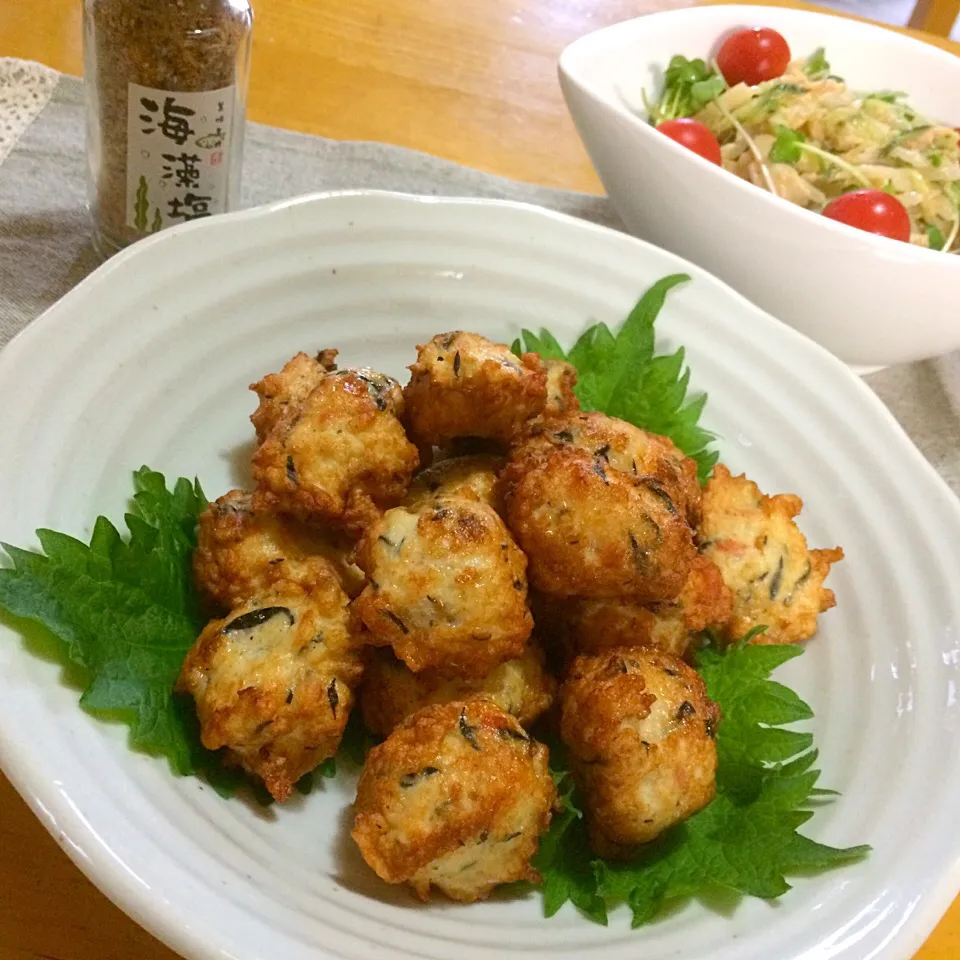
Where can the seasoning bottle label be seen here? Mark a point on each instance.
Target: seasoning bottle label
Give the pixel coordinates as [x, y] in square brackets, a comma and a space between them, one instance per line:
[177, 163]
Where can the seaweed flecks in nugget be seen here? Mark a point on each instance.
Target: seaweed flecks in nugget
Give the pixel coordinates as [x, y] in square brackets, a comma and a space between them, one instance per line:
[273, 682]
[457, 798]
[340, 454]
[640, 735]
[763, 557]
[289, 387]
[447, 587]
[598, 521]
[561, 381]
[464, 385]
[626, 448]
[243, 552]
[470, 477]
[590, 626]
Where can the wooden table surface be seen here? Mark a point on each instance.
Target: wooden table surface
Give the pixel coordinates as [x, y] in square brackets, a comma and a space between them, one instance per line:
[470, 80]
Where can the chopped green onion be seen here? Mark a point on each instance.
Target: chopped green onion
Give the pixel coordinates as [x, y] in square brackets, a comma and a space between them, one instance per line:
[786, 148]
[891, 96]
[816, 66]
[790, 145]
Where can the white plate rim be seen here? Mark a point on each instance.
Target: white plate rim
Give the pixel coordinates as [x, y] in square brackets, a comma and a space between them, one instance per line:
[86, 848]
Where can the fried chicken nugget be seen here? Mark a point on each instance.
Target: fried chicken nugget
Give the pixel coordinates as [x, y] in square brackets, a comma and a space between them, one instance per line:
[340, 455]
[763, 558]
[457, 797]
[624, 447]
[561, 379]
[273, 682]
[290, 386]
[390, 691]
[473, 477]
[639, 730]
[448, 587]
[590, 529]
[462, 385]
[705, 601]
[241, 552]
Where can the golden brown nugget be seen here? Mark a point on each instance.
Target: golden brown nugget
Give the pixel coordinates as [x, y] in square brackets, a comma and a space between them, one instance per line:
[705, 602]
[621, 446]
[473, 477]
[340, 455]
[591, 530]
[763, 557]
[639, 731]
[456, 797]
[463, 385]
[273, 682]
[447, 587]
[561, 379]
[242, 552]
[291, 385]
[391, 692]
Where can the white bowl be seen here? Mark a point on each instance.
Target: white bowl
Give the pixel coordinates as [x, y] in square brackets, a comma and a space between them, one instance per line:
[870, 300]
[148, 361]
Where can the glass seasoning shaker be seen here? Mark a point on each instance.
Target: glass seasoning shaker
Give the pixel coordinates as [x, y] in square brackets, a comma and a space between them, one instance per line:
[166, 87]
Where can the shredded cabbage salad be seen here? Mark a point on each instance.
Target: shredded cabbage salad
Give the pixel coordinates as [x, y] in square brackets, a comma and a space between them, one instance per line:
[808, 138]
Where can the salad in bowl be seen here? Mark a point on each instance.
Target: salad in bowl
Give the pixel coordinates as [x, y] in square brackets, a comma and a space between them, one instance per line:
[796, 129]
[809, 160]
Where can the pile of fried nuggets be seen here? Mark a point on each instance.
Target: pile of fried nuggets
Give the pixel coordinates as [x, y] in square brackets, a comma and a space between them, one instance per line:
[446, 553]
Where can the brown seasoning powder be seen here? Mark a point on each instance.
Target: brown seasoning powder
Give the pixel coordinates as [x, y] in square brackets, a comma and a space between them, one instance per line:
[175, 45]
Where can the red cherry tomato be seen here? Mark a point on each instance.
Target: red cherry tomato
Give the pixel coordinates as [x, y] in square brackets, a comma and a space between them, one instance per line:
[752, 56]
[871, 210]
[693, 135]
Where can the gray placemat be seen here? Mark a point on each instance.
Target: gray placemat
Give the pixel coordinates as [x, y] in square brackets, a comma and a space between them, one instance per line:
[45, 244]
[45, 238]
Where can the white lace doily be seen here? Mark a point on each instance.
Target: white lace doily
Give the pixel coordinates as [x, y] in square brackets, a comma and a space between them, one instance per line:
[25, 89]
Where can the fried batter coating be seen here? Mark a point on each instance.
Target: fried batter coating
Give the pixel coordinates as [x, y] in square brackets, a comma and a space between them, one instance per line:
[764, 560]
[561, 379]
[448, 587]
[291, 385]
[473, 477]
[639, 730]
[705, 601]
[273, 682]
[391, 692]
[340, 455]
[241, 552]
[628, 449]
[590, 529]
[457, 797]
[462, 385]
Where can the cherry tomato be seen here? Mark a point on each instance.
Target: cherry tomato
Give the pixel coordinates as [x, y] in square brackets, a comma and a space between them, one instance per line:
[752, 56]
[871, 210]
[693, 135]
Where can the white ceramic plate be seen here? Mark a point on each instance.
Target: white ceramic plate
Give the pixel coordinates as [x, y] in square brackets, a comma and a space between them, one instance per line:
[148, 361]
